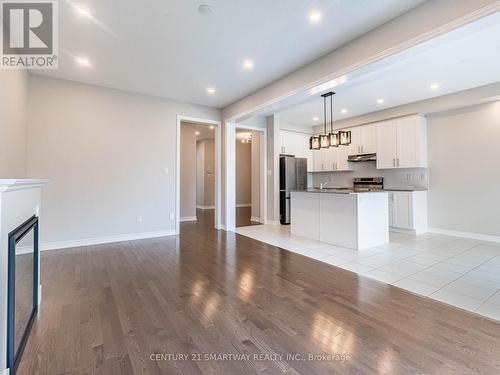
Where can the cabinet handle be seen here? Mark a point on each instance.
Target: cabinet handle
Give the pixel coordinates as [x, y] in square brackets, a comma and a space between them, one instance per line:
[362, 150]
[393, 162]
[397, 162]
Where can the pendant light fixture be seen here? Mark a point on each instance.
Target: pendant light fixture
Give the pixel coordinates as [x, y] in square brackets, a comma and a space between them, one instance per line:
[324, 139]
[345, 138]
[332, 139]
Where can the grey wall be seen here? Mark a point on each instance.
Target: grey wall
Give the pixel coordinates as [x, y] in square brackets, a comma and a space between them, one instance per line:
[13, 122]
[464, 157]
[188, 171]
[243, 173]
[109, 155]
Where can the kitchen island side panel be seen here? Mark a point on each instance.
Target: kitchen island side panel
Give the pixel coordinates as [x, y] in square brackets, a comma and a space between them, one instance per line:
[373, 220]
[305, 215]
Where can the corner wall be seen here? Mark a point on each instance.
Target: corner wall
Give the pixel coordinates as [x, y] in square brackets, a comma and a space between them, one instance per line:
[110, 157]
[13, 121]
[464, 170]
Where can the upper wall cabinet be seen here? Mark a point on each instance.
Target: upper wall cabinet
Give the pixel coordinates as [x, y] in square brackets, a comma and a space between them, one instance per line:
[364, 140]
[402, 143]
[296, 144]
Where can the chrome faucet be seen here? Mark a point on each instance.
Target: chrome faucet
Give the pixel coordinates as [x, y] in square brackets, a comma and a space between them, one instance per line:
[323, 184]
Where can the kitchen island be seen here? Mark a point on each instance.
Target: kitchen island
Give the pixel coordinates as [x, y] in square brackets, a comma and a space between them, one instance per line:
[342, 217]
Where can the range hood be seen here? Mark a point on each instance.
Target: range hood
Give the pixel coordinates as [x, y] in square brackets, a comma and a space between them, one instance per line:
[362, 157]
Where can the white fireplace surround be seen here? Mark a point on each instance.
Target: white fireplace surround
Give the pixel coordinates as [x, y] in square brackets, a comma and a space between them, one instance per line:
[20, 199]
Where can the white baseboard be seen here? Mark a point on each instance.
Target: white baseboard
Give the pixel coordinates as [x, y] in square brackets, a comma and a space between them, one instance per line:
[273, 222]
[188, 218]
[255, 218]
[205, 207]
[243, 204]
[106, 239]
[402, 231]
[469, 235]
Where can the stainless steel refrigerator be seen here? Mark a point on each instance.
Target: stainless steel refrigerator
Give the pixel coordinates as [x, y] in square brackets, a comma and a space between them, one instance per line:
[293, 177]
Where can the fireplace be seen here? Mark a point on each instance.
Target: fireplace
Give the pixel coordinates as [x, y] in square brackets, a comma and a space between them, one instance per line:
[22, 299]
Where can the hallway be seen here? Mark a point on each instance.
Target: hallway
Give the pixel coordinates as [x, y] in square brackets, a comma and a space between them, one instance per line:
[134, 307]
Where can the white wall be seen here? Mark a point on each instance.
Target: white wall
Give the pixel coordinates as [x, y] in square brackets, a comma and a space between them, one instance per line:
[188, 171]
[464, 157]
[255, 169]
[243, 173]
[106, 153]
[13, 113]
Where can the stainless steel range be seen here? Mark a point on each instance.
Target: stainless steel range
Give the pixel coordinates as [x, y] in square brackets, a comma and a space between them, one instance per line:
[368, 184]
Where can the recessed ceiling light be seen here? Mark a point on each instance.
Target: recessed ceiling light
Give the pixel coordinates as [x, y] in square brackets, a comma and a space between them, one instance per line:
[212, 127]
[315, 118]
[83, 12]
[210, 90]
[248, 64]
[83, 62]
[343, 110]
[380, 101]
[315, 16]
[197, 132]
[205, 9]
[434, 86]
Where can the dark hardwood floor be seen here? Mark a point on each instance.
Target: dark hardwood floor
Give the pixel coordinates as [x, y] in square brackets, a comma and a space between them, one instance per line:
[112, 309]
[243, 217]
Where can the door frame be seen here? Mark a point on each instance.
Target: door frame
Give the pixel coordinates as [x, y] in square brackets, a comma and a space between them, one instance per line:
[217, 172]
[231, 173]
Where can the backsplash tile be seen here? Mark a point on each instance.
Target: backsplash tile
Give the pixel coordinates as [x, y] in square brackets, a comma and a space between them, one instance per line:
[415, 178]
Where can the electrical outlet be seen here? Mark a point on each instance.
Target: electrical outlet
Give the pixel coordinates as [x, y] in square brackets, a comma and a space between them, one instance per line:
[139, 219]
[171, 216]
[166, 170]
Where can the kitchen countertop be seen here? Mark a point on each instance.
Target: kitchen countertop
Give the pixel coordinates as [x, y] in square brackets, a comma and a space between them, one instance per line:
[336, 191]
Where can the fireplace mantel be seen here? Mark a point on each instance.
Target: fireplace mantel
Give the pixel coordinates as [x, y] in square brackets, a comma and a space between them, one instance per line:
[18, 184]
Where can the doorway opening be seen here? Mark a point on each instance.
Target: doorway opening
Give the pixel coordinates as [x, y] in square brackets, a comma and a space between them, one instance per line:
[249, 176]
[198, 171]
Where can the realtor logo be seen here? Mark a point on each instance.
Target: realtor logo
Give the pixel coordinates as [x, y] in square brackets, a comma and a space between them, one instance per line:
[29, 34]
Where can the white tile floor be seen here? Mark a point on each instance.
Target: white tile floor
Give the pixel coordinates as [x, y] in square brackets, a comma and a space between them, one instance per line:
[461, 272]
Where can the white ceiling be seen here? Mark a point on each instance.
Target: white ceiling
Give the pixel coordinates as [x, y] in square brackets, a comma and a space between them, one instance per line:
[461, 63]
[168, 49]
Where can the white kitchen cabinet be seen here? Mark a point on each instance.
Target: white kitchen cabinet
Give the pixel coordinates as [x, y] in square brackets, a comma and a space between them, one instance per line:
[333, 159]
[368, 139]
[408, 211]
[297, 144]
[402, 143]
[363, 140]
[386, 144]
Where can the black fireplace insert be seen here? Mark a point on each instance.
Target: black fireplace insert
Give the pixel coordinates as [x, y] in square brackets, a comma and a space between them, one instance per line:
[22, 300]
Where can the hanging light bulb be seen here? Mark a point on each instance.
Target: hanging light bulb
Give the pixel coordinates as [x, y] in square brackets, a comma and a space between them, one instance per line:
[314, 143]
[345, 138]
